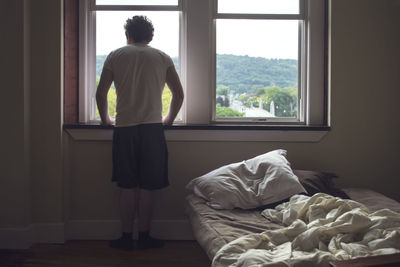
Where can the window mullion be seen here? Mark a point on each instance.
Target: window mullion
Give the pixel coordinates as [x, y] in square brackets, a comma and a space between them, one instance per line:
[183, 55]
[198, 58]
[87, 50]
[315, 64]
[302, 65]
[303, 8]
[92, 86]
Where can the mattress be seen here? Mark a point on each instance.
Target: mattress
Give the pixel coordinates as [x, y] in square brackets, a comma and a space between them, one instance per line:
[215, 228]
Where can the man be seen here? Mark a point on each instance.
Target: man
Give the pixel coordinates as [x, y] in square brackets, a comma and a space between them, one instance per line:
[140, 159]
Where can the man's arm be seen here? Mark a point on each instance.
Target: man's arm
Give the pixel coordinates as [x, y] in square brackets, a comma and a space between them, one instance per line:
[105, 82]
[175, 86]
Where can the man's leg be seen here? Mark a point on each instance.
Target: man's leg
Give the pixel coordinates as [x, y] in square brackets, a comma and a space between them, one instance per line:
[128, 205]
[145, 241]
[146, 201]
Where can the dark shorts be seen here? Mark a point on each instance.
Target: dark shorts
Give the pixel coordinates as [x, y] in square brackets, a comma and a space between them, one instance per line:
[140, 157]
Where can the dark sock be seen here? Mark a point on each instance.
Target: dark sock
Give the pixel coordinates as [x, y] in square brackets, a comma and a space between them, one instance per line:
[125, 242]
[145, 241]
[143, 235]
[127, 235]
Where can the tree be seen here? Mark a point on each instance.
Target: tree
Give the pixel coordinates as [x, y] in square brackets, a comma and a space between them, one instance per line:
[112, 100]
[166, 100]
[253, 101]
[225, 112]
[222, 90]
[260, 91]
[243, 98]
[270, 91]
[283, 104]
[285, 100]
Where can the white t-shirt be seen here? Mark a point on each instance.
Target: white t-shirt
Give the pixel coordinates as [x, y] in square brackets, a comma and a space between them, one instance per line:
[139, 77]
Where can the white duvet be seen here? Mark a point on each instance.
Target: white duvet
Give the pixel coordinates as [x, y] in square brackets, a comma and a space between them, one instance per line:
[317, 229]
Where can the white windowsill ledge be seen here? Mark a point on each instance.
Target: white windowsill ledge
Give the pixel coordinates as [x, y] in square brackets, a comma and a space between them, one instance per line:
[173, 134]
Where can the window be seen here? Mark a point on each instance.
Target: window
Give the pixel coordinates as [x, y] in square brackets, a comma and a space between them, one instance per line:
[259, 48]
[104, 23]
[253, 62]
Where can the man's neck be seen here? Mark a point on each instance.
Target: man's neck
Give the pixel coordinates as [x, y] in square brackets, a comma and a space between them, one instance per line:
[140, 44]
[137, 43]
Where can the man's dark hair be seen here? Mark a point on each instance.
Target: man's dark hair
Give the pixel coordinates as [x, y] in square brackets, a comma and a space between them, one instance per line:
[139, 29]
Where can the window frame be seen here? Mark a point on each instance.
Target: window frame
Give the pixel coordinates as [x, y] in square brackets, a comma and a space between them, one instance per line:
[198, 57]
[87, 48]
[315, 92]
[302, 54]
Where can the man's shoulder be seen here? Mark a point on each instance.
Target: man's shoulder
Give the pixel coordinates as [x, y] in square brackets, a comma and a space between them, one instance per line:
[158, 51]
[120, 50]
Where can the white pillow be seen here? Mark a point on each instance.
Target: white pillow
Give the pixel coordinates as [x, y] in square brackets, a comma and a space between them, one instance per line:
[251, 183]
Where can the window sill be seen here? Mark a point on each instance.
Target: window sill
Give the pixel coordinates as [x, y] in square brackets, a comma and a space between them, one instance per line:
[246, 133]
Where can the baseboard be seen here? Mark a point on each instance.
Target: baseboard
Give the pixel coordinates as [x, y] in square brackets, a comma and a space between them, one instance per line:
[92, 229]
[109, 229]
[24, 237]
[15, 238]
[48, 233]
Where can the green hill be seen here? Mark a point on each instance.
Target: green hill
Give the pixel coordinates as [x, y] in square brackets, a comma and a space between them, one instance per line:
[241, 73]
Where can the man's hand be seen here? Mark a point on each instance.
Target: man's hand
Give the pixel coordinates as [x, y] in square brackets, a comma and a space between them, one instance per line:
[167, 120]
[108, 122]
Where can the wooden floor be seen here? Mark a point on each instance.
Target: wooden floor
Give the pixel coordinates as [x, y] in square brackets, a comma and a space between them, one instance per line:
[97, 253]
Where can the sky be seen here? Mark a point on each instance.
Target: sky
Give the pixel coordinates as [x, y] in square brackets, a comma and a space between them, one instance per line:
[110, 33]
[256, 38]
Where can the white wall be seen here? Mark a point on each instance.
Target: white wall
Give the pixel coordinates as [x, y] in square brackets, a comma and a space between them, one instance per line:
[46, 106]
[15, 131]
[31, 167]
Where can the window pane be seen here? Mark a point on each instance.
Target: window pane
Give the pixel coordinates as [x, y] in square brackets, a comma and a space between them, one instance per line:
[110, 35]
[138, 2]
[259, 6]
[257, 68]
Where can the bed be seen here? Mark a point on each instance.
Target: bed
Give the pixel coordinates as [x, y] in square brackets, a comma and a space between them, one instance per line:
[236, 236]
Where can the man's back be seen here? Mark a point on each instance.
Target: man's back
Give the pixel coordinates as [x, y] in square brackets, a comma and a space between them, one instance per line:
[139, 73]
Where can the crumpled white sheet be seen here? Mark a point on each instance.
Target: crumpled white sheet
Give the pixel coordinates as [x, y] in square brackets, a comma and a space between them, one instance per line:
[318, 229]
